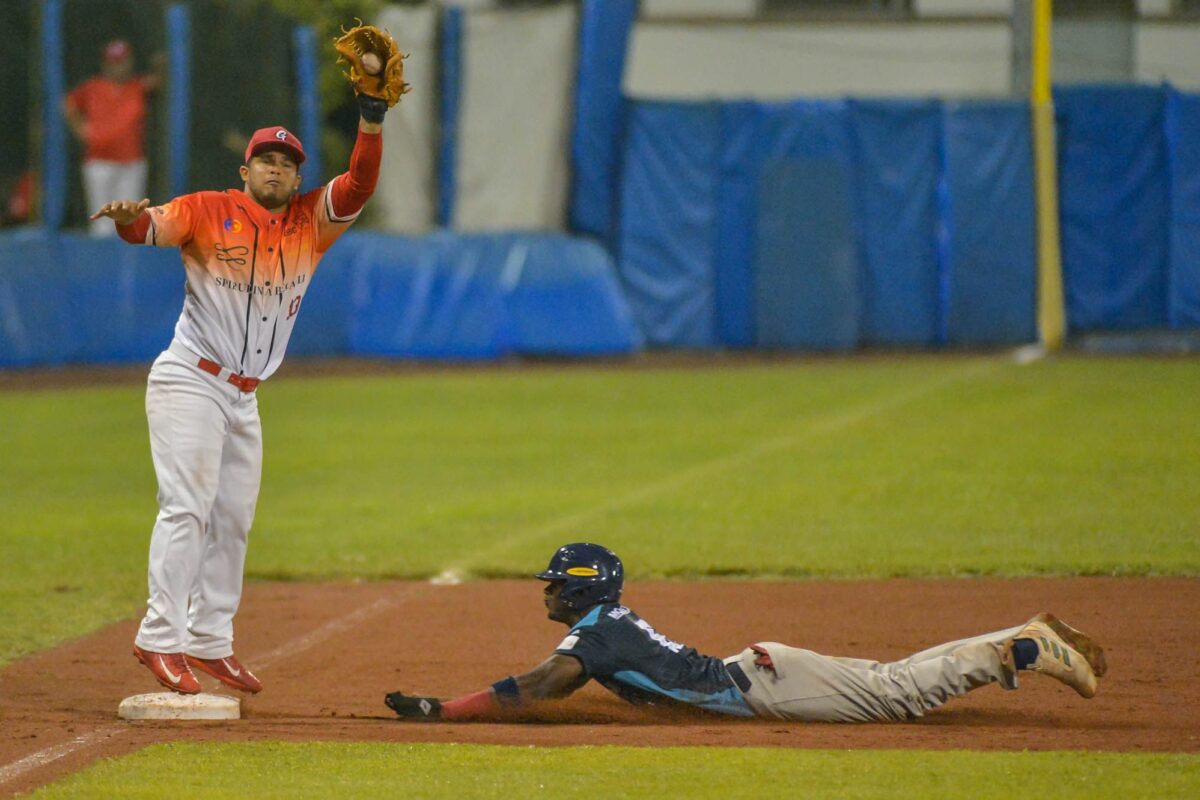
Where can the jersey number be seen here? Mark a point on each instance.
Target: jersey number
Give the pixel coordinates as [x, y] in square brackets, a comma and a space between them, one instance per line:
[294, 306]
[655, 636]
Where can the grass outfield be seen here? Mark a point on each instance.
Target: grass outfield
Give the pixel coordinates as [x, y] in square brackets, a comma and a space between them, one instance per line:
[435, 771]
[854, 467]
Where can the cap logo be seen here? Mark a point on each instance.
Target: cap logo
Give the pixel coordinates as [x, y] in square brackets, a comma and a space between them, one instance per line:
[583, 572]
[281, 135]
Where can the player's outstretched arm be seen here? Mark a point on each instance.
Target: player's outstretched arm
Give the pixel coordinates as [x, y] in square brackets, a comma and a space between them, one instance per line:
[375, 68]
[557, 676]
[122, 212]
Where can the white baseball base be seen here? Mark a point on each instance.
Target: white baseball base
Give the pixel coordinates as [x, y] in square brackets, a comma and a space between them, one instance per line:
[170, 705]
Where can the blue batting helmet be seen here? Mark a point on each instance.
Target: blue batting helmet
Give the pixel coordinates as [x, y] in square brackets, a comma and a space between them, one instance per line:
[593, 575]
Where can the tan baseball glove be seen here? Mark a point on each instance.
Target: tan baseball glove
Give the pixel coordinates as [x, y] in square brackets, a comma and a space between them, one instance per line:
[383, 78]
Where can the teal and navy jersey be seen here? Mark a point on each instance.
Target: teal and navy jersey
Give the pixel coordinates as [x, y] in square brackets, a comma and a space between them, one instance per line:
[625, 655]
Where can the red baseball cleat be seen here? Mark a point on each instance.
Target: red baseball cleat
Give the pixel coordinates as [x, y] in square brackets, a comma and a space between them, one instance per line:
[229, 671]
[170, 669]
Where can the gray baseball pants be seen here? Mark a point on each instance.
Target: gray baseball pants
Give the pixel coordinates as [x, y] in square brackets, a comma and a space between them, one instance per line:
[809, 686]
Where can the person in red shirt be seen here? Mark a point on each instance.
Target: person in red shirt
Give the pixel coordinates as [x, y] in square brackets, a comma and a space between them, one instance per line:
[107, 113]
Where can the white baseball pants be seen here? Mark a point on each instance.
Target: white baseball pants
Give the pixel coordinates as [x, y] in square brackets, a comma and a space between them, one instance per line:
[206, 442]
[809, 686]
[105, 181]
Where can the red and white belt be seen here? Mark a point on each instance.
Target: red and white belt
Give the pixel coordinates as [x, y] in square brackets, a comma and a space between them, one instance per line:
[213, 368]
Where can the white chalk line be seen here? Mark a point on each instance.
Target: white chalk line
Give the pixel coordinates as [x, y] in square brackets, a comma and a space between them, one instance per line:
[326, 631]
[825, 425]
[48, 755]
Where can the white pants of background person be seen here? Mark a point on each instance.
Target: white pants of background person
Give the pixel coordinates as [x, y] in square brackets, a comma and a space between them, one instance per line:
[206, 442]
[809, 686]
[104, 181]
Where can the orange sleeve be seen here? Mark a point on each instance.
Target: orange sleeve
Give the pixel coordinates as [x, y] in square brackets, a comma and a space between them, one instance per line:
[135, 232]
[174, 224]
[344, 196]
[349, 192]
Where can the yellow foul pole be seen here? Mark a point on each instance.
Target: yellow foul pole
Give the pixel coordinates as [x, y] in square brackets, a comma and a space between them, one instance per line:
[1051, 316]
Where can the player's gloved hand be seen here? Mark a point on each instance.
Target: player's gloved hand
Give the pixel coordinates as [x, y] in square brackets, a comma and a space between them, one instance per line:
[371, 109]
[374, 67]
[425, 709]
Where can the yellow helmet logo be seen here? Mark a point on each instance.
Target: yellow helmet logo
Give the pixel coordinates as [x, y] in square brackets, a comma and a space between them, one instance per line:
[583, 572]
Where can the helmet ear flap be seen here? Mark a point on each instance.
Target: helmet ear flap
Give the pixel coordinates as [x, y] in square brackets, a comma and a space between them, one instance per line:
[569, 595]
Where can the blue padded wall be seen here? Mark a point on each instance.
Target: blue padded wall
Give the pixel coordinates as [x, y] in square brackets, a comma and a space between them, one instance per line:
[756, 139]
[990, 248]
[1113, 198]
[591, 315]
[486, 296]
[37, 321]
[444, 312]
[66, 298]
[605, 27]
[667, 240]
[124, 299]
[929, 218]
[806, 268]
[1183, 140]
[899, 157]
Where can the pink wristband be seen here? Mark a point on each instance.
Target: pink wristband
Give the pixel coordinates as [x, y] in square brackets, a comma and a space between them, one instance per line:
[472, 705]
[135, 232]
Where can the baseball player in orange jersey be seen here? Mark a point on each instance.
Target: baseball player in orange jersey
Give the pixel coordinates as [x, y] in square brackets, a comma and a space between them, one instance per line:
[249, 257]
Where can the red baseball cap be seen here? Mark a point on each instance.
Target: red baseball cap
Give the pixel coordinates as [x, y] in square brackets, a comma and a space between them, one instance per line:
[117, 50]
[275, 138]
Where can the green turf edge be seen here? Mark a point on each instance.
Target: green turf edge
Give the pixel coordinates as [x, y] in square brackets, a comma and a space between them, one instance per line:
[324, 769]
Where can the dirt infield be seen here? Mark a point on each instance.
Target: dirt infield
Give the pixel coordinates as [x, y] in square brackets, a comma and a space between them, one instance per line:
[327, 654]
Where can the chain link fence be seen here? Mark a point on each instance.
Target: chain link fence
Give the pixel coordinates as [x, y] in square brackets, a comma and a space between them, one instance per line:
[17, 39]
[242, 68]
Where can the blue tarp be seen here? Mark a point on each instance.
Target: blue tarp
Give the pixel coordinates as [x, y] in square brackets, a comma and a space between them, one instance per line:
[1113, 199]
[807, 282]
[757, 139]
[990, 242]
[67, 298]
[899, 162]
[486, 296]
[667, 239]
[604, 31]
[836, 223]
[1183, 141]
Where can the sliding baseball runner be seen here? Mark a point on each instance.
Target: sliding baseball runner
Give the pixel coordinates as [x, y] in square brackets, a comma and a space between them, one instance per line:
[249, 256]
[610, 644]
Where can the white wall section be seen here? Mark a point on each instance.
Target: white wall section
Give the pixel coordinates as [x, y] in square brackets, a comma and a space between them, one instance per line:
[1168, 51]
[515, 119]
[405, 198]
[787, 60]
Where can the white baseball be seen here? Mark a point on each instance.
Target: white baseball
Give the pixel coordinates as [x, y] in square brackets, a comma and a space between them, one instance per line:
[372, 64]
